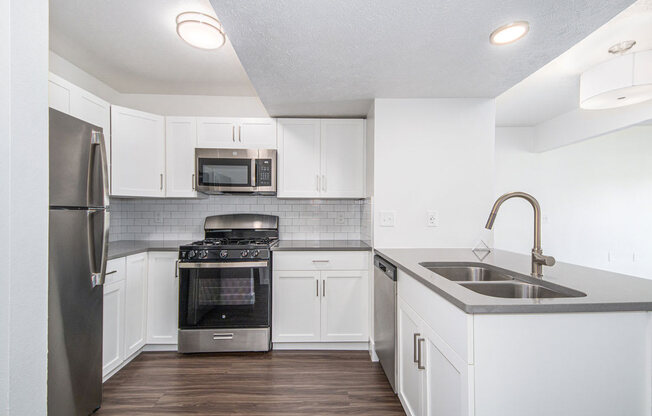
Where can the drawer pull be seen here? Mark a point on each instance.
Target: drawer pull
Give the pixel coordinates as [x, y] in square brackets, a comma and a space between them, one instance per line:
[218, 337]
[321, 261]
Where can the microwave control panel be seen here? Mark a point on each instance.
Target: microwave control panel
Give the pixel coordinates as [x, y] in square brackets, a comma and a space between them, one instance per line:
[263, 172]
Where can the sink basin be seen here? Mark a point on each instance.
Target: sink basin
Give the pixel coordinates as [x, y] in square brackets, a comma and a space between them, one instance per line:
[500, 283]
[468, 272]
[519, 290]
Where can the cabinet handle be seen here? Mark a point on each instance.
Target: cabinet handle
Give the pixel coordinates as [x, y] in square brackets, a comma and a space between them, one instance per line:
[420, 366]
[193, 181]
[317, 285]
[323, 288]
[323, 183]
[161, 181]
[176, 269]
[415, 357]
[111, 272]
[240, 134]
[317, 181]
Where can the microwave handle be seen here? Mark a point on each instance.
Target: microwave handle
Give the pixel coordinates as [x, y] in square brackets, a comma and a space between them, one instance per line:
[254, 172]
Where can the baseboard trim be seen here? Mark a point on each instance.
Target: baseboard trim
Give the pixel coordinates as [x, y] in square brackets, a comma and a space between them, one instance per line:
[124, 363]
[343, 346]
[372, 351]
[160, 347]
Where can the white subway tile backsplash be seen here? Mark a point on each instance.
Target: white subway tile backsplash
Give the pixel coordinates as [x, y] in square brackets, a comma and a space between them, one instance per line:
[183, 219]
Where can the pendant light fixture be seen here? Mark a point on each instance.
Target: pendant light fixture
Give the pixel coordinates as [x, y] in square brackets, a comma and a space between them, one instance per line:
[618, 82]
[200, 30]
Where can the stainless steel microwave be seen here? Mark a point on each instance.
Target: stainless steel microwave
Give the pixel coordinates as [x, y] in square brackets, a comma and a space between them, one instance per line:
[235, 170]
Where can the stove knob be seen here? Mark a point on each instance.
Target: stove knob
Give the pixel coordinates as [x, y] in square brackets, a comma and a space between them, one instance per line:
[203, 254]
[244, 253]
[192, 254]
[223, 254]
[255, 253]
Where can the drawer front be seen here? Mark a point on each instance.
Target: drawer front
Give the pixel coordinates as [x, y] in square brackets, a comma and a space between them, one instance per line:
[115, 270]
[321, 260]
[453, 326]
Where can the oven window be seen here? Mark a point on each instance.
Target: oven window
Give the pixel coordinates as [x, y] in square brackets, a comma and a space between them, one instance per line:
[224, 298]
[225, 172]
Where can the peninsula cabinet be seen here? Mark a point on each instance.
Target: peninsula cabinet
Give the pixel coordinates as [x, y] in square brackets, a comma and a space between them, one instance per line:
[237, 133]
[138, 153]
[321, 158]
[319, 297]
[453, 363]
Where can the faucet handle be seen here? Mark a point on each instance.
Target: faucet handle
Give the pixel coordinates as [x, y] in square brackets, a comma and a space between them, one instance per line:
[545, 260]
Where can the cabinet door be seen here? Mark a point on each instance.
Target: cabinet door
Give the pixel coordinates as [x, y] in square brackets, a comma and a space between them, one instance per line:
[135, 303]
[216, 132]
[344, 306]
[59, 93]
[138, 153]
[410, 377]
[113, 346]
[295, 306]
[257, 133]
[180, 143]
[163, 298]
[342, 158]
[298, 158]
[447, 388]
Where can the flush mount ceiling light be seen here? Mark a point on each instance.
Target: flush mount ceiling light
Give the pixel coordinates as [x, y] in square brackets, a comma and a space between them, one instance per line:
[200, 30]
[621, 81]
[509, 33]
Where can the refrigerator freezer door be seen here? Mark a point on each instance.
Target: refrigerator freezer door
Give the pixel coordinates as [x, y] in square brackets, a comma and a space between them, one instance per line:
[78, 167]
[75, 315]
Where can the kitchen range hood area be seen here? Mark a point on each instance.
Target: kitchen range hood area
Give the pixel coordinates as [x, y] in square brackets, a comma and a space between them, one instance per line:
[220, 207]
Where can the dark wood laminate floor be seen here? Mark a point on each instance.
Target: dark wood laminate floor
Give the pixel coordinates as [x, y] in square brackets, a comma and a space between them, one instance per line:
[274, 383]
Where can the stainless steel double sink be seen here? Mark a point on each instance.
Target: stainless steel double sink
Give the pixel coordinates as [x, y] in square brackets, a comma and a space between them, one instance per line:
[501, 283]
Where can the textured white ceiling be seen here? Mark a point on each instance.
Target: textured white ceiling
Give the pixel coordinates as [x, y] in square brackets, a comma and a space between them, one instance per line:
[308, 57]
[132, 46]
[554, 89]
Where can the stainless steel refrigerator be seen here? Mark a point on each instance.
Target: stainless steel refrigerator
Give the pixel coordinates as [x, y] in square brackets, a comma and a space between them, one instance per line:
[78, 240]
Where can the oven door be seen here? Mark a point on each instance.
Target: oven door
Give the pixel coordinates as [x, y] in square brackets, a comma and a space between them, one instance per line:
[225, 170]
[224, 295]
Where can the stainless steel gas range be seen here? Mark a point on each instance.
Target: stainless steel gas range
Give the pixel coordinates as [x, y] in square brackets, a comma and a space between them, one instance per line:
[225, 285]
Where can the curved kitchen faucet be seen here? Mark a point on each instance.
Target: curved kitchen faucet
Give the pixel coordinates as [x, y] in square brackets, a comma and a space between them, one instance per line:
[538, 259]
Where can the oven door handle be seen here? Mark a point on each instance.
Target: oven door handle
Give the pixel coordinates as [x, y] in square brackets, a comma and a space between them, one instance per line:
[224, 265]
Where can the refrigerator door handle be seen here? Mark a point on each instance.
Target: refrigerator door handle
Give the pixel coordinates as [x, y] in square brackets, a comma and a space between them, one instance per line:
[98, 271]
[97, 140]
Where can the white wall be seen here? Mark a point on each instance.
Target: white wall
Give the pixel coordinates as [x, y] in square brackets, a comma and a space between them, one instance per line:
[169, 105]
[433, 154]
[23, 207]
[596, 198]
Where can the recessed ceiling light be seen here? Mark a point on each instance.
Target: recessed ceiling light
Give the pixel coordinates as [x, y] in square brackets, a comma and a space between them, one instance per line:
[200, 30]
[509, 33]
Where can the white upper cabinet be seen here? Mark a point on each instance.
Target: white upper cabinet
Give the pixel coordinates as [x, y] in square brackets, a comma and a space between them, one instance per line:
[138, 153]
[298, 158]
[342, 158]
[70, 99]
[242, 133]
[321, 158]
[180, 143]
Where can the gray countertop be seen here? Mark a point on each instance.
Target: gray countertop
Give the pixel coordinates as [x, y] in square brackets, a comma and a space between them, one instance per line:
[124, 248]
[605, 291]
[321, 245]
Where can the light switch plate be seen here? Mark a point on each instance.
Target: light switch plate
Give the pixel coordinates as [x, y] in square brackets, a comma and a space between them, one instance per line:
[432, 219]
[386, 219]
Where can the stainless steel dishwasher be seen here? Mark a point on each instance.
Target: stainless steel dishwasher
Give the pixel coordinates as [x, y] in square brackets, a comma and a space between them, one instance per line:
[385, 317]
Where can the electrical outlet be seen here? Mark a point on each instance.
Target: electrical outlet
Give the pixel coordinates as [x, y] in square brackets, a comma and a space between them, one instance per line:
[432, 219]
[340, 220]
[387, 219]
[158, 217]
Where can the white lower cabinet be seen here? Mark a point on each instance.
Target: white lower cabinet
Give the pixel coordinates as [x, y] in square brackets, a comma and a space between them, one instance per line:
[433, 381]
[113, 346]
[326, 304]
[163, 298]
[136, 303]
